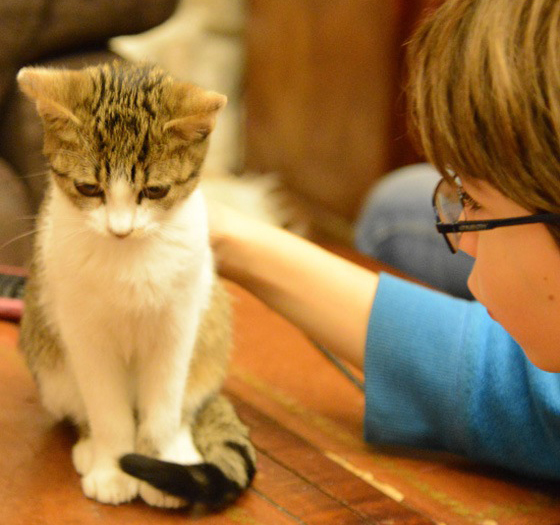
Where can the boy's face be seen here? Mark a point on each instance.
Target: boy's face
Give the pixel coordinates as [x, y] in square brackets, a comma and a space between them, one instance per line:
[516, 275]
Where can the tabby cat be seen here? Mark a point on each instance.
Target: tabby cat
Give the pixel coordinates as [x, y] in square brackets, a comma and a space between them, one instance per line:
[126, 328]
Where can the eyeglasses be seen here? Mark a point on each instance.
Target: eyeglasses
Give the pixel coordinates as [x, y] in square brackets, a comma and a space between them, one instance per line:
[449, 204]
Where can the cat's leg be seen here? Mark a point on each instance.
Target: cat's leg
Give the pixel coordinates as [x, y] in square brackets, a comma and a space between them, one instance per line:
[61, 396]
[82, 451]
[162, 376]
[103, 383]
[57, 384]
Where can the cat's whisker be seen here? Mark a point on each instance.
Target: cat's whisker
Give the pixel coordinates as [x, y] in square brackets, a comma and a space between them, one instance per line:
[170, 240]
[71, 153]
[27, 217]
[77, 232]
[36, 174]
[20, 237]
[162, 235]
[167, 232]
[170, 226]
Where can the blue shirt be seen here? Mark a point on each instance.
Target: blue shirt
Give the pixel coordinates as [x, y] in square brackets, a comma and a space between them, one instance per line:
[441, 374]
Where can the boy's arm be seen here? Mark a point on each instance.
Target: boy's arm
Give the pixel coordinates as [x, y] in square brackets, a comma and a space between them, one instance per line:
[326, 296]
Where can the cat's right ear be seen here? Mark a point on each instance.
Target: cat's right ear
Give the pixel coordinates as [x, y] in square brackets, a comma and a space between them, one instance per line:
[55, 93]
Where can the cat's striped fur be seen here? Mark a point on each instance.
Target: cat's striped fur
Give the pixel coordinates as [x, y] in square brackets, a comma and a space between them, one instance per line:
[126, 327]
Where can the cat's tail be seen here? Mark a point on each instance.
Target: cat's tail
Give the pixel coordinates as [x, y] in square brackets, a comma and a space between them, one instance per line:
[229, 461]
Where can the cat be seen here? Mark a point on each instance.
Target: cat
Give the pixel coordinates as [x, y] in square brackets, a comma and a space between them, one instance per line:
[126, 328]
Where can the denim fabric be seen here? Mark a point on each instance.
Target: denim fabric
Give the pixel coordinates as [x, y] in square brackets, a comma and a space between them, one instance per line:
[396, 226]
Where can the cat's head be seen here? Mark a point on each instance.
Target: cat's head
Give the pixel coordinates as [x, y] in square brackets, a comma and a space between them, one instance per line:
[125, 143]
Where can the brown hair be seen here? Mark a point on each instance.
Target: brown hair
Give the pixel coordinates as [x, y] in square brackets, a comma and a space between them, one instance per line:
[484, 95]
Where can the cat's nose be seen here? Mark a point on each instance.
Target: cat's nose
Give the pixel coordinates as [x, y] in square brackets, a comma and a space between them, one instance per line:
[120, 234]
[120, 221]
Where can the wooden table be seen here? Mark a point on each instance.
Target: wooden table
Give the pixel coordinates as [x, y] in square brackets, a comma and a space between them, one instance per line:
[313, 466]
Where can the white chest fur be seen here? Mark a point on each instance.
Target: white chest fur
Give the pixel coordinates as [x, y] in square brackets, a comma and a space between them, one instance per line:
[129, 286]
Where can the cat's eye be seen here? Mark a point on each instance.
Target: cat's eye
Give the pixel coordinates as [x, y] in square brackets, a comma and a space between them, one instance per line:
[155, 192]
[89, 190]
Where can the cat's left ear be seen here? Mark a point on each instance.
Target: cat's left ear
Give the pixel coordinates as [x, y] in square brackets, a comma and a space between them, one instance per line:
[197, 112]
[56, 92]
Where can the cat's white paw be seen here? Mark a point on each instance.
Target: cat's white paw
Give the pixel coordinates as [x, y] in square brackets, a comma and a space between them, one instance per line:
[110, 485]
[157, 498]
[181, 449]
[82, 456]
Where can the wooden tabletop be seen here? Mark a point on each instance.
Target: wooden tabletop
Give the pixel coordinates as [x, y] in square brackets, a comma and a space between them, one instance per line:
[306, 423]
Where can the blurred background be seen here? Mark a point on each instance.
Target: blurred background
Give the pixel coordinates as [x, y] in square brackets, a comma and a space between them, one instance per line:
[316, 111]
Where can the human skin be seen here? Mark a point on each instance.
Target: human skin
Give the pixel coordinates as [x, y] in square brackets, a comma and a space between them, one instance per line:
[516, 275]
[326, 296]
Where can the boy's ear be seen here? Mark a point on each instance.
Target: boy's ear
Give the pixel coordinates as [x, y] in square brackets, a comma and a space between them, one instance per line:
[196, 112]
[55, 92]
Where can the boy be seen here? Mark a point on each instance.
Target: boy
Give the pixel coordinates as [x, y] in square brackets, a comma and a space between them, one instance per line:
[469, 377]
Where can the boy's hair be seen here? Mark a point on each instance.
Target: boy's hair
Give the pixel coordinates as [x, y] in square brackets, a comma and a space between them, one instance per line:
[484, 95]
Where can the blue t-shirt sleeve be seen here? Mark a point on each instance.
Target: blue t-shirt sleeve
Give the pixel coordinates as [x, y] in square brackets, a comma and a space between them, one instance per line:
[441, 374]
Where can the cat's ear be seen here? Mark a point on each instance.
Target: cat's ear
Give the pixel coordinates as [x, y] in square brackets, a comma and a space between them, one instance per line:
[196, 110]
[55, 92]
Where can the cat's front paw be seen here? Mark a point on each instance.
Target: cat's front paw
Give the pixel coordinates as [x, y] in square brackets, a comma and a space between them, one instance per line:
[179, 449]
[82, 456]
[157, 498]
[110, 485]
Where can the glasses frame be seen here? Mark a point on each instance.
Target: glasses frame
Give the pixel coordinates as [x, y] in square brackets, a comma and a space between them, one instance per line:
[475, 226]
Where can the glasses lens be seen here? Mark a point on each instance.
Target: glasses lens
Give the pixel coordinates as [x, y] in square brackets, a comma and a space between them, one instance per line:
[449, 207]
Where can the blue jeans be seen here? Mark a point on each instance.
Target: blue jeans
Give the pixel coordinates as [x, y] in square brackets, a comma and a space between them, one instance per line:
[397, 226]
